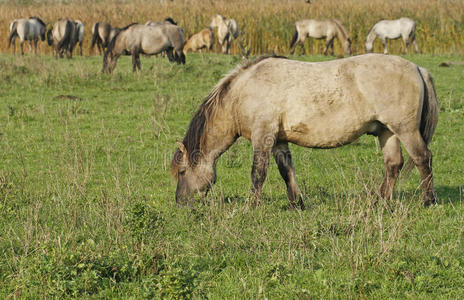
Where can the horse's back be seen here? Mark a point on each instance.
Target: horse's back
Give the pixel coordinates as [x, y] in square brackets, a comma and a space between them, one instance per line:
[330, 103]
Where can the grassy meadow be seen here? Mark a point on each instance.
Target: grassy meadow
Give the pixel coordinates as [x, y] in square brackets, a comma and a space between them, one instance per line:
[87, 205]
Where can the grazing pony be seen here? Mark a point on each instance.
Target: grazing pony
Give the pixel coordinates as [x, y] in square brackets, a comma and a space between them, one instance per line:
[274, 101]
[320, 29]
[102, 34]
[27, 30]
[80, 34]
[64, 35]
[200, 40]
[393, 29]
[138, 39]
[227, 31]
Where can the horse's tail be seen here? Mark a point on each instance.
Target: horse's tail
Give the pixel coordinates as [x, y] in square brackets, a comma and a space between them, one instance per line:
[429, 117]
[66, 39]
[412, 33]
[13, 33]
[294, 38]
[95, 35]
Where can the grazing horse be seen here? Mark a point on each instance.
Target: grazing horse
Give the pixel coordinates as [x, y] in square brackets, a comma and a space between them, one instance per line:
[227, 31]
[200, 40]
[27, 30]
[80, 34]
[64, 35]
[102, 34]
[393, 29]
[138, 39]
[275, 101]
[319, 29]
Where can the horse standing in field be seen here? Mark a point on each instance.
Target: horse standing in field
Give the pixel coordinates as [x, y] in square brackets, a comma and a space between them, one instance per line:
[27, 30]
[275, 101]
[102, 34]
[64, 35]
[138, 39]
[393, 29]
[319, 29]
[200, 40]
[227, 31]
[80, 34]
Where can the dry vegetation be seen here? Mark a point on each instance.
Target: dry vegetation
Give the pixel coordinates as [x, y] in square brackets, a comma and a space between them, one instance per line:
[267, 24]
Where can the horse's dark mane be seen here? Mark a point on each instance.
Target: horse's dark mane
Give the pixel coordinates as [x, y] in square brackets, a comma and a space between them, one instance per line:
[170, 20]
[195, 137]
[118, 31]
[38, 19]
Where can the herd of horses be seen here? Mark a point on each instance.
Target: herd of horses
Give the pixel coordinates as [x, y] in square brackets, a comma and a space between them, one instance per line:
[273, 101]
[167, 37]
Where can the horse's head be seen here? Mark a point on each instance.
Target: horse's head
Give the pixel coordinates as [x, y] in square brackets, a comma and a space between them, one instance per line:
[109, 62]
[191, 177]
[49, 36]
[369, 47]
[347, 46]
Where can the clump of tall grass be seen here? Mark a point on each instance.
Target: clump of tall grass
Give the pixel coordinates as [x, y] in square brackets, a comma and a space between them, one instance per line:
[266, 25]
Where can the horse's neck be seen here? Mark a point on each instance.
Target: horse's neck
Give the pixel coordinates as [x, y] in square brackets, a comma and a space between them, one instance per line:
[220, 134]
[371, 36]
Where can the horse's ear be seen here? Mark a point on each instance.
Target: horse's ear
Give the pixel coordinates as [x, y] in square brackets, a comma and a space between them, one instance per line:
[182, 148]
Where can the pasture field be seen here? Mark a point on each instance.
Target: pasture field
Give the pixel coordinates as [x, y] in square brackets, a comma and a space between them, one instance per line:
[267, 25]
[87, 205]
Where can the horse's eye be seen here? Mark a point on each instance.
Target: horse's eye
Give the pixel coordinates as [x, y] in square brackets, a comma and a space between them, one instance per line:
[182, 172]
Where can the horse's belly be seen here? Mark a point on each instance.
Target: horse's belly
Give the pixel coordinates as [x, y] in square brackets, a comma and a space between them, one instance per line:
[326, 133]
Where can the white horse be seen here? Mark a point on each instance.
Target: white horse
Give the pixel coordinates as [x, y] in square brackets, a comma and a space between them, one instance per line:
[27, 30]
[227, 31]
[80, 34]
[393, 29]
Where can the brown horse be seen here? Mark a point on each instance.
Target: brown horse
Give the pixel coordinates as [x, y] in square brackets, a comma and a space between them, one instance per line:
[276, 101]
[102, 34]
[320, 29]
[64, 35]
[200, 40]
[138, 39]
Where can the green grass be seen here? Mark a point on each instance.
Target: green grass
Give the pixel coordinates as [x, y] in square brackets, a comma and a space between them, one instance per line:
[87, 205]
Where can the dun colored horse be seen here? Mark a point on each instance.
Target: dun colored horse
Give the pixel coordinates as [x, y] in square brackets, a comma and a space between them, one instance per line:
[102, 34]
[275, 101]
[227, 31]
[138, 39]
[393, 29]
[200, 40]
[64, 35]
[320, 29]
[27, 30]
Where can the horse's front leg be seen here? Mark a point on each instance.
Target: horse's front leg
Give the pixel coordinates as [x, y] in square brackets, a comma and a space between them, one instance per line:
[384, 43]
[135, 57]
[21, 43]
[328, 43]
[259, 171]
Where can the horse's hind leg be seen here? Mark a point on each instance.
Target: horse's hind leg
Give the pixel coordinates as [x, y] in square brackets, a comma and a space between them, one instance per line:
[35, 46]
[406, 44]
[422, 158]
[21, 47]
[135, 58]
[415, 45]
[393, 160]
[283, 158]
